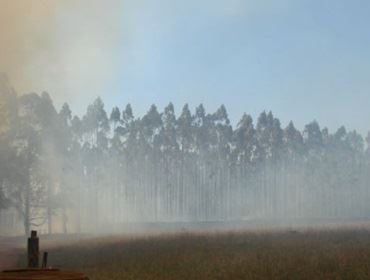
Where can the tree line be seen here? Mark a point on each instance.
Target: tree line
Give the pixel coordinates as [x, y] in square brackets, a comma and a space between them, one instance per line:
[106, 169]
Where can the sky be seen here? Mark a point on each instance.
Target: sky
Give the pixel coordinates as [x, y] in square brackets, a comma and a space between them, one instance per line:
[303, 60]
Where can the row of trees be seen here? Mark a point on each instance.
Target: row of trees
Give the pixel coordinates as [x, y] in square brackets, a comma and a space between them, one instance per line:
[109, 169]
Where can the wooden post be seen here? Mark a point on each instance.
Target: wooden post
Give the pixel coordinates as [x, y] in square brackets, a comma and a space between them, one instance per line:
[33, 250]
[44, 260]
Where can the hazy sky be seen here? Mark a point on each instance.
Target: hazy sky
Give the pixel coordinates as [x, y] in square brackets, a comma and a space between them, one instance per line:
[304, 60]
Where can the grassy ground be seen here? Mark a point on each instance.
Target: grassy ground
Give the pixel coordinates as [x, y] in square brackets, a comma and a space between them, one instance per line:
[326, 254]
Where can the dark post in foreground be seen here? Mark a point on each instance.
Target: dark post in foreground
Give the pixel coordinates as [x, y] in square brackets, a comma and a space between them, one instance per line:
[33, 272]
[33, 250]
[45, 260]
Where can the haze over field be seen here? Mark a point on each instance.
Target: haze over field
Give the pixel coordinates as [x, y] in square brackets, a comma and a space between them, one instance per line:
[193, 119]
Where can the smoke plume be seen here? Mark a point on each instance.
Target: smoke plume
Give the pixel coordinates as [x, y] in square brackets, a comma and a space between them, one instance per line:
[65, 47]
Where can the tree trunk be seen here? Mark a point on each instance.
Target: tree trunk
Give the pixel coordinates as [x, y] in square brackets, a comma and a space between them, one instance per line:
[49, 209]
[27, 206]
[65, 219]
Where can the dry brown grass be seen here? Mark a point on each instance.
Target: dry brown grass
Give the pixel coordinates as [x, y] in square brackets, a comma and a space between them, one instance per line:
[325, 254]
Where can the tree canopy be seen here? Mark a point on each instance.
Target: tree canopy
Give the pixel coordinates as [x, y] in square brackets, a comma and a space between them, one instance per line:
[195, 166]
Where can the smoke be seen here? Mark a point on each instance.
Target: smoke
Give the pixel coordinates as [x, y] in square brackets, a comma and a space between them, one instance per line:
[66, 47]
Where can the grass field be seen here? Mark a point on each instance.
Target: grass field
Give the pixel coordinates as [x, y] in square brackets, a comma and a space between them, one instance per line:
[306, 254]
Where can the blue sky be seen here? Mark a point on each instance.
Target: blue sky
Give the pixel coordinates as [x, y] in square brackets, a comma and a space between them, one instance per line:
[303, 60]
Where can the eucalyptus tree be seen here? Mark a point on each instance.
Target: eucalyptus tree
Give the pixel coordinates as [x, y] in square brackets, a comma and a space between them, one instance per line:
[170, 149]
[130, 175]
[342, 163]
[115, 155]
[34, 142]
[76, 161]
[9, 158]
[115, 118]
[150, 127]
[263, 155]
[276, 143]
[313, 137]
[128, 130]
[68, 195]
[269, 150]
[366, 169]
[8, 130]
[8, 165]
[292, 160]
[96, 126]
[185, 140]
[223, 134]
[113, 164]
[356, 188]
[314, 145]
[368, 143]
[292, 141]
[367, 148]
[95, 123]
[243, 162]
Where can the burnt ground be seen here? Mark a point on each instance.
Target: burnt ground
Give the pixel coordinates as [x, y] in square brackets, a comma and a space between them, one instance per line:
[10, 250]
